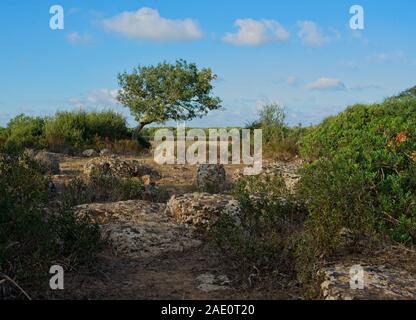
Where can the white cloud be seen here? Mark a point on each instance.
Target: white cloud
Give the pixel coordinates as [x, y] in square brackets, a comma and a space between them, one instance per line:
[147, 24]
[256, 32]
[311, 35]
[97, 98]
[78, 38]
[326, 84]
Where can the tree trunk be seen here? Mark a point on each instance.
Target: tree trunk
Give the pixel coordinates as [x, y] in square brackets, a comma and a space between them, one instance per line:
[138, 129]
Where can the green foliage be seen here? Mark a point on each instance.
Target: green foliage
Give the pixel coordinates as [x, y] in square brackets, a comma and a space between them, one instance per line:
[155, 94]
[24, 132]
[32, 238]
[409, 93]
[69, 131]
[101, 188]
[364, 177]
[80, 129]
[280, 141]
[269, 220]
[3, 137]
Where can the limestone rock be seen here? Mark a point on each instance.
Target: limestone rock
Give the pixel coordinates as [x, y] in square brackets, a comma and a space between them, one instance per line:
[114, 166]
[139, 229]
[89, 153]
[211, 178]
[49, 162]
[380, 282]
[202, 209]
[209, 282]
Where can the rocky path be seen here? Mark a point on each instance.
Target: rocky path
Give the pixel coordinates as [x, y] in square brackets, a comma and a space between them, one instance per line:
[156, 251]
[151, 256]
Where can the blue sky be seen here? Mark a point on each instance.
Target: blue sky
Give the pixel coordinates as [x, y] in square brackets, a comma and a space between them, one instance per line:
[301, 54]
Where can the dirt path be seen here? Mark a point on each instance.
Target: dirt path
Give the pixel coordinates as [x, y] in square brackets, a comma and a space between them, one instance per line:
[169, 276]
[194, 273]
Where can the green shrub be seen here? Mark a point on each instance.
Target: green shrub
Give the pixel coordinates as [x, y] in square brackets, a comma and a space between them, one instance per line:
[79, 129]
[269, 222]
[364, 177]
[33, 238]
[280, 141]
[3, 137]
[100, 188]
[24, 132]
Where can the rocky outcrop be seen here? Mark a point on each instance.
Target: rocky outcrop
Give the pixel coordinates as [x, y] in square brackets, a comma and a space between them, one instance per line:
[49, 162]
[139, 229]
[116, 167]
[201, 210]
[379, 282]
[211, 178]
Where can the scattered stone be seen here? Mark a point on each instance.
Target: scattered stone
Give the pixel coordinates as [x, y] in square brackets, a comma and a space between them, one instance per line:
[209, 282]
[202, 209]
[211, 178]
[378, 283]
[114, 166]
[89, 153]
[139, 229]
[49, 162]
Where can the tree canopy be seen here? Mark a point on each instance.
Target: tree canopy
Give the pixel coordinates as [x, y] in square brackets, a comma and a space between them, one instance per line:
[156, 94]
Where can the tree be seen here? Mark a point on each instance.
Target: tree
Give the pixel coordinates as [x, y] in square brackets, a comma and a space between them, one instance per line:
[179, 92]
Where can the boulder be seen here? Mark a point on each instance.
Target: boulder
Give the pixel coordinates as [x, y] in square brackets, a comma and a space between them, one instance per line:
[375, 282]
[116, 167]
[201, 210]
[49, 162]
[139, 229]
[89, 153]
[211, 178]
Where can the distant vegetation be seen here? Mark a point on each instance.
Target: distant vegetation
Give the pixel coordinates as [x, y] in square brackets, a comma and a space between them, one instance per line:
[280, 141]
[69, 132]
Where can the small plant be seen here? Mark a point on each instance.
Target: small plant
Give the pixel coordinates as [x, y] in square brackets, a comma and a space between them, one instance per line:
[280, 141]
[268, 222]
[32, 236]
[102, 188]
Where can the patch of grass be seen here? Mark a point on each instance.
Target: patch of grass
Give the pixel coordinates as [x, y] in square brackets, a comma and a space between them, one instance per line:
[100, 188]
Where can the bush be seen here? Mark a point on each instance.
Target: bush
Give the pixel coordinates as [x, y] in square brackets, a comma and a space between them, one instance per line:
[3, 137]
[100, 188]
[24, 132]
[365, 175]
[80, 130]
[269, 222]
[280, 141]
[33, 238]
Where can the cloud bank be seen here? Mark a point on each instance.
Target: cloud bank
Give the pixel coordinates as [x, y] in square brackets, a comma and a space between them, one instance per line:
[147, 24]
[256, 32]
